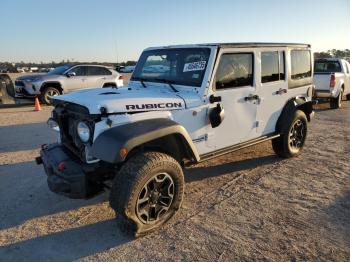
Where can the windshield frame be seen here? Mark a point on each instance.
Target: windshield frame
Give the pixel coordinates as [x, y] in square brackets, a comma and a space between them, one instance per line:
[161, 79]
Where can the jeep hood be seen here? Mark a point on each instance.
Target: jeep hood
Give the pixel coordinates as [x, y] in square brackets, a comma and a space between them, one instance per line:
[125, 99]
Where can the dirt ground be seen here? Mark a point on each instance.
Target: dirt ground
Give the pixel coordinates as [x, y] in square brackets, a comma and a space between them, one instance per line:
[248, 205]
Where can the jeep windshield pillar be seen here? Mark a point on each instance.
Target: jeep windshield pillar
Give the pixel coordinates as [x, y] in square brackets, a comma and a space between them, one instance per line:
[183, 104]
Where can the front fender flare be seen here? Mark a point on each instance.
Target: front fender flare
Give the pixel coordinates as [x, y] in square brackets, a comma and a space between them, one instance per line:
[129, 136]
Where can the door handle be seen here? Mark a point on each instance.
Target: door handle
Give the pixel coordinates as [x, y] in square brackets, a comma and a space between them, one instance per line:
[281, 91]
[251, 98]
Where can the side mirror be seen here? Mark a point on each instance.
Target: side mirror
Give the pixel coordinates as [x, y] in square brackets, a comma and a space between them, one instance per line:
[216, 116]
[69, 74]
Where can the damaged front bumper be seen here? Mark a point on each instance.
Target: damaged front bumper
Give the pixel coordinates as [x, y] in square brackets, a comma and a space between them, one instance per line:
[66, 174]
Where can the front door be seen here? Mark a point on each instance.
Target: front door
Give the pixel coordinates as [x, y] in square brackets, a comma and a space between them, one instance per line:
[77, 81]
[234, 83]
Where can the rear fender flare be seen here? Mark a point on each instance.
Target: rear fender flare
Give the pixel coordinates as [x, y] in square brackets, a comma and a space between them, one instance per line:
[302, 103]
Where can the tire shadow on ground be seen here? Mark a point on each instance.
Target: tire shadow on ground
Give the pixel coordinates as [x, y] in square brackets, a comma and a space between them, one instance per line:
[67, 245]
[24, 196]
[200, 173]
[338, 214]
[25, 137]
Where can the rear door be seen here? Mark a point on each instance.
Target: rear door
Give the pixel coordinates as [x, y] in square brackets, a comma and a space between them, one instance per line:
[97, 76]
[272, 88]
[234, 83]
[276, 88]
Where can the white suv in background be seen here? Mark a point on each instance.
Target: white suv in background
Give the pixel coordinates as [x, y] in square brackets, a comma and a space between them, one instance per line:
[66, 78]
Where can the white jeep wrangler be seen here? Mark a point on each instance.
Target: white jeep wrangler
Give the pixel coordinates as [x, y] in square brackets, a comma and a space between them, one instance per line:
[184, 104]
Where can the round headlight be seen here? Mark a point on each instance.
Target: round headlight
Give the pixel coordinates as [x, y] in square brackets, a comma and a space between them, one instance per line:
[83, 131]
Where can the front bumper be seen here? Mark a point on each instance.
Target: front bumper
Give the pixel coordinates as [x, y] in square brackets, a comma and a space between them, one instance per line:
[26, 89]
[66, 174]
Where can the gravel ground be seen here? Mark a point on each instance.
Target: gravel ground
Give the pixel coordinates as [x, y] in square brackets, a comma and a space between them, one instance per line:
[248, 205]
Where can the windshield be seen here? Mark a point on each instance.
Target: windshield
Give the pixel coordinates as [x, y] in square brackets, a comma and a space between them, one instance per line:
[185, 66]
[327, 67]
[59, 70]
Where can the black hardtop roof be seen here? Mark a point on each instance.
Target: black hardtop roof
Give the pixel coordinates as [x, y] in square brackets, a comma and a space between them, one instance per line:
[258, 44]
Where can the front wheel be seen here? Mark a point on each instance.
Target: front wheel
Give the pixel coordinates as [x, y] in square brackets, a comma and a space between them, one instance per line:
[293, 136]
[47, 92]
[147, 191]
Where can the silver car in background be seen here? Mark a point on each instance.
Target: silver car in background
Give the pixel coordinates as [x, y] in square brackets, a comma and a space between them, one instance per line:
[64, 79]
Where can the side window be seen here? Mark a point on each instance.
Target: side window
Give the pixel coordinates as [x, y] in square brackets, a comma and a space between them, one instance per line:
[234, 70]
[301, 64]
[97, 71]
[79, 71]
[269, 67]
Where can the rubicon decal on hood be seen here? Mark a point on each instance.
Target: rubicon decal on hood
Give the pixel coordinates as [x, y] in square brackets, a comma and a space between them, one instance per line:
[153, 106]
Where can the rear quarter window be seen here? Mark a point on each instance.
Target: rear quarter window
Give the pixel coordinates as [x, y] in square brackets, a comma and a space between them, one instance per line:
[97, 71]
[301, 68]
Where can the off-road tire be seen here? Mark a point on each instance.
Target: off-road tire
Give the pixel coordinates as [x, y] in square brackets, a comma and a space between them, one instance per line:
[283, 145]
[131, 180]
[46, 92]
[335, 103]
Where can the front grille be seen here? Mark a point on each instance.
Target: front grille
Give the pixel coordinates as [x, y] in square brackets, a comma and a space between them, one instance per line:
[68, 116]
[19, 83]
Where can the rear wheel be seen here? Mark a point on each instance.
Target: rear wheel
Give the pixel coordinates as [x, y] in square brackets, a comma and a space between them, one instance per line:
[147, 192]
[293, 136]
[47, 92]
[348, 97]
[335, 103]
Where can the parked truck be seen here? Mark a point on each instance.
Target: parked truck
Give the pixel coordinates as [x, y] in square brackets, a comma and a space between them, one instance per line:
[332, 80]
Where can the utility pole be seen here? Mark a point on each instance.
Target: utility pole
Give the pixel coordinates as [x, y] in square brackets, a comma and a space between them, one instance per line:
[116, 51]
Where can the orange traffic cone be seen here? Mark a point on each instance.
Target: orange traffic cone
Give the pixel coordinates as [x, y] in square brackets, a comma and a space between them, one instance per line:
[37, 104]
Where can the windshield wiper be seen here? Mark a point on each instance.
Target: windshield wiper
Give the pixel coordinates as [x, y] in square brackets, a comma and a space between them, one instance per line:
[169, 82]
[141, 80]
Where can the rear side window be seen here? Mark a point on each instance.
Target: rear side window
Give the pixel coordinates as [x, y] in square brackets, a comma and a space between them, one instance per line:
[301, 64]
[272, 66]
[96, 71]
[234, 70]
[327, 66]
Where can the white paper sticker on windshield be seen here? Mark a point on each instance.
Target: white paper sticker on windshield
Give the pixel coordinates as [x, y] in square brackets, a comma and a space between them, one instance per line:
[195, 66]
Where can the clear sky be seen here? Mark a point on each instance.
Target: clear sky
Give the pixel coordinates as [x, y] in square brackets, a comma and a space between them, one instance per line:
[111, 30]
